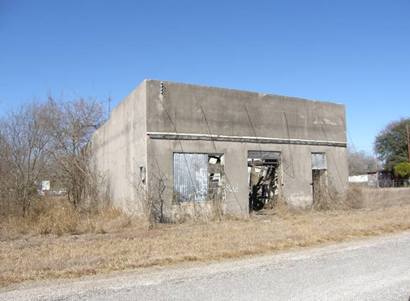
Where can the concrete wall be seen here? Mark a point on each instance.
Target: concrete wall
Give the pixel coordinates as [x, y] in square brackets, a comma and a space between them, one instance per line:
[203, 110]
[196, 109]
[296, 170]
[384, 197]
[120, 148]
[125, 142]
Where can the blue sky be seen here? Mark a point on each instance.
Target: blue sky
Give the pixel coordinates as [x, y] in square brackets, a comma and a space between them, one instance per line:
[351, 52]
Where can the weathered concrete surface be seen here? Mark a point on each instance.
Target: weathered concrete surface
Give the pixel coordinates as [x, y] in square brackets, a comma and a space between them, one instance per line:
[120, 149]
[375, 269]
[127, 142]
[197, 109]
[296, 169]
[214, 111]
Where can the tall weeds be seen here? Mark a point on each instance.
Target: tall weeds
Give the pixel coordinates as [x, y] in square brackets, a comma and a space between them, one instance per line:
[59, 217]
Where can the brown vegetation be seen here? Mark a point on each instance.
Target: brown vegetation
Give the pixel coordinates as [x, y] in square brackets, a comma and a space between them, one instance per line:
[47, 141]
[59, 217]
[47, 243]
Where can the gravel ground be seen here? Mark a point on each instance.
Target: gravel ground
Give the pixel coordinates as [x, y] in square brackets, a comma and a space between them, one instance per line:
[374, 269]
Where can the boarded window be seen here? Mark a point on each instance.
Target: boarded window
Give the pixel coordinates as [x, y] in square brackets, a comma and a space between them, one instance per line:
[319, 161]
[190, 177]
[198, 177]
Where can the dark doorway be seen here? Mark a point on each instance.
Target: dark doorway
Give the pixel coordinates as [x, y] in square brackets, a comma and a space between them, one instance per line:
[319, 177]
[263, 173]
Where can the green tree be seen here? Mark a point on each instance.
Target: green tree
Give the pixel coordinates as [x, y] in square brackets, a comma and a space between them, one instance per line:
[402, 170]
[391, 143]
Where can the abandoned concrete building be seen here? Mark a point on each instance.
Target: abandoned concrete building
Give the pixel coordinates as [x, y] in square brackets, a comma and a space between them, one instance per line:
[182, 149]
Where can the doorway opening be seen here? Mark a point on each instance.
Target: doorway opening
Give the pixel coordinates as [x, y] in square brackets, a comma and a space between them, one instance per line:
[319, 177]
[263, 179]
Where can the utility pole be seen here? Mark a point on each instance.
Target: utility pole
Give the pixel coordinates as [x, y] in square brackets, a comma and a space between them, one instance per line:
[109, 106]
[408, 141]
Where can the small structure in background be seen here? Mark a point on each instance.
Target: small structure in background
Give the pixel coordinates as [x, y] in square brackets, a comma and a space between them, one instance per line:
[45, 185]
[381, 178]
[369, 179]
[46, 189]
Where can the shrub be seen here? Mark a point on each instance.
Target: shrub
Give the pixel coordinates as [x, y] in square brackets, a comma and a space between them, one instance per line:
[59, 217]
[58, 220]
[402, 170]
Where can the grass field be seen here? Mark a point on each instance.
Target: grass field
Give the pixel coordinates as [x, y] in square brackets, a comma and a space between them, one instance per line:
[63, 244]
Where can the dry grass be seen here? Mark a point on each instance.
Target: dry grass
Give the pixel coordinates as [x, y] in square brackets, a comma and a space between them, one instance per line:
[113, 242]
[58, 217]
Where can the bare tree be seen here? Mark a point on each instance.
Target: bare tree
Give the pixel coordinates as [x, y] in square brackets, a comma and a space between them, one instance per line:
[71, 125]
[48, 140]
[24, 142]
[361, 163]
[5, 167]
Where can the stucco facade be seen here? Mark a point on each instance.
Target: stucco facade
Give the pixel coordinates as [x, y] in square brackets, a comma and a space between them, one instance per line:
[136, 149]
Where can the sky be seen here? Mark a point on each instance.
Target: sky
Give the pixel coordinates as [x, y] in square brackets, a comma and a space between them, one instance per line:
[352, 52]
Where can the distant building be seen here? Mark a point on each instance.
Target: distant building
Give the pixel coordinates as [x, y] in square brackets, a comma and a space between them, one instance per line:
[381, 178]
[369, 179]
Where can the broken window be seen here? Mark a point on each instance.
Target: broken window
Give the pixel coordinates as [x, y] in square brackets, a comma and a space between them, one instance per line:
[263, 173]
[215, 176]
[197, 177]
[319, 161]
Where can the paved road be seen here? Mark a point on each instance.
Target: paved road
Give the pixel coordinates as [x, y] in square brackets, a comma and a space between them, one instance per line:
[376, 269]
